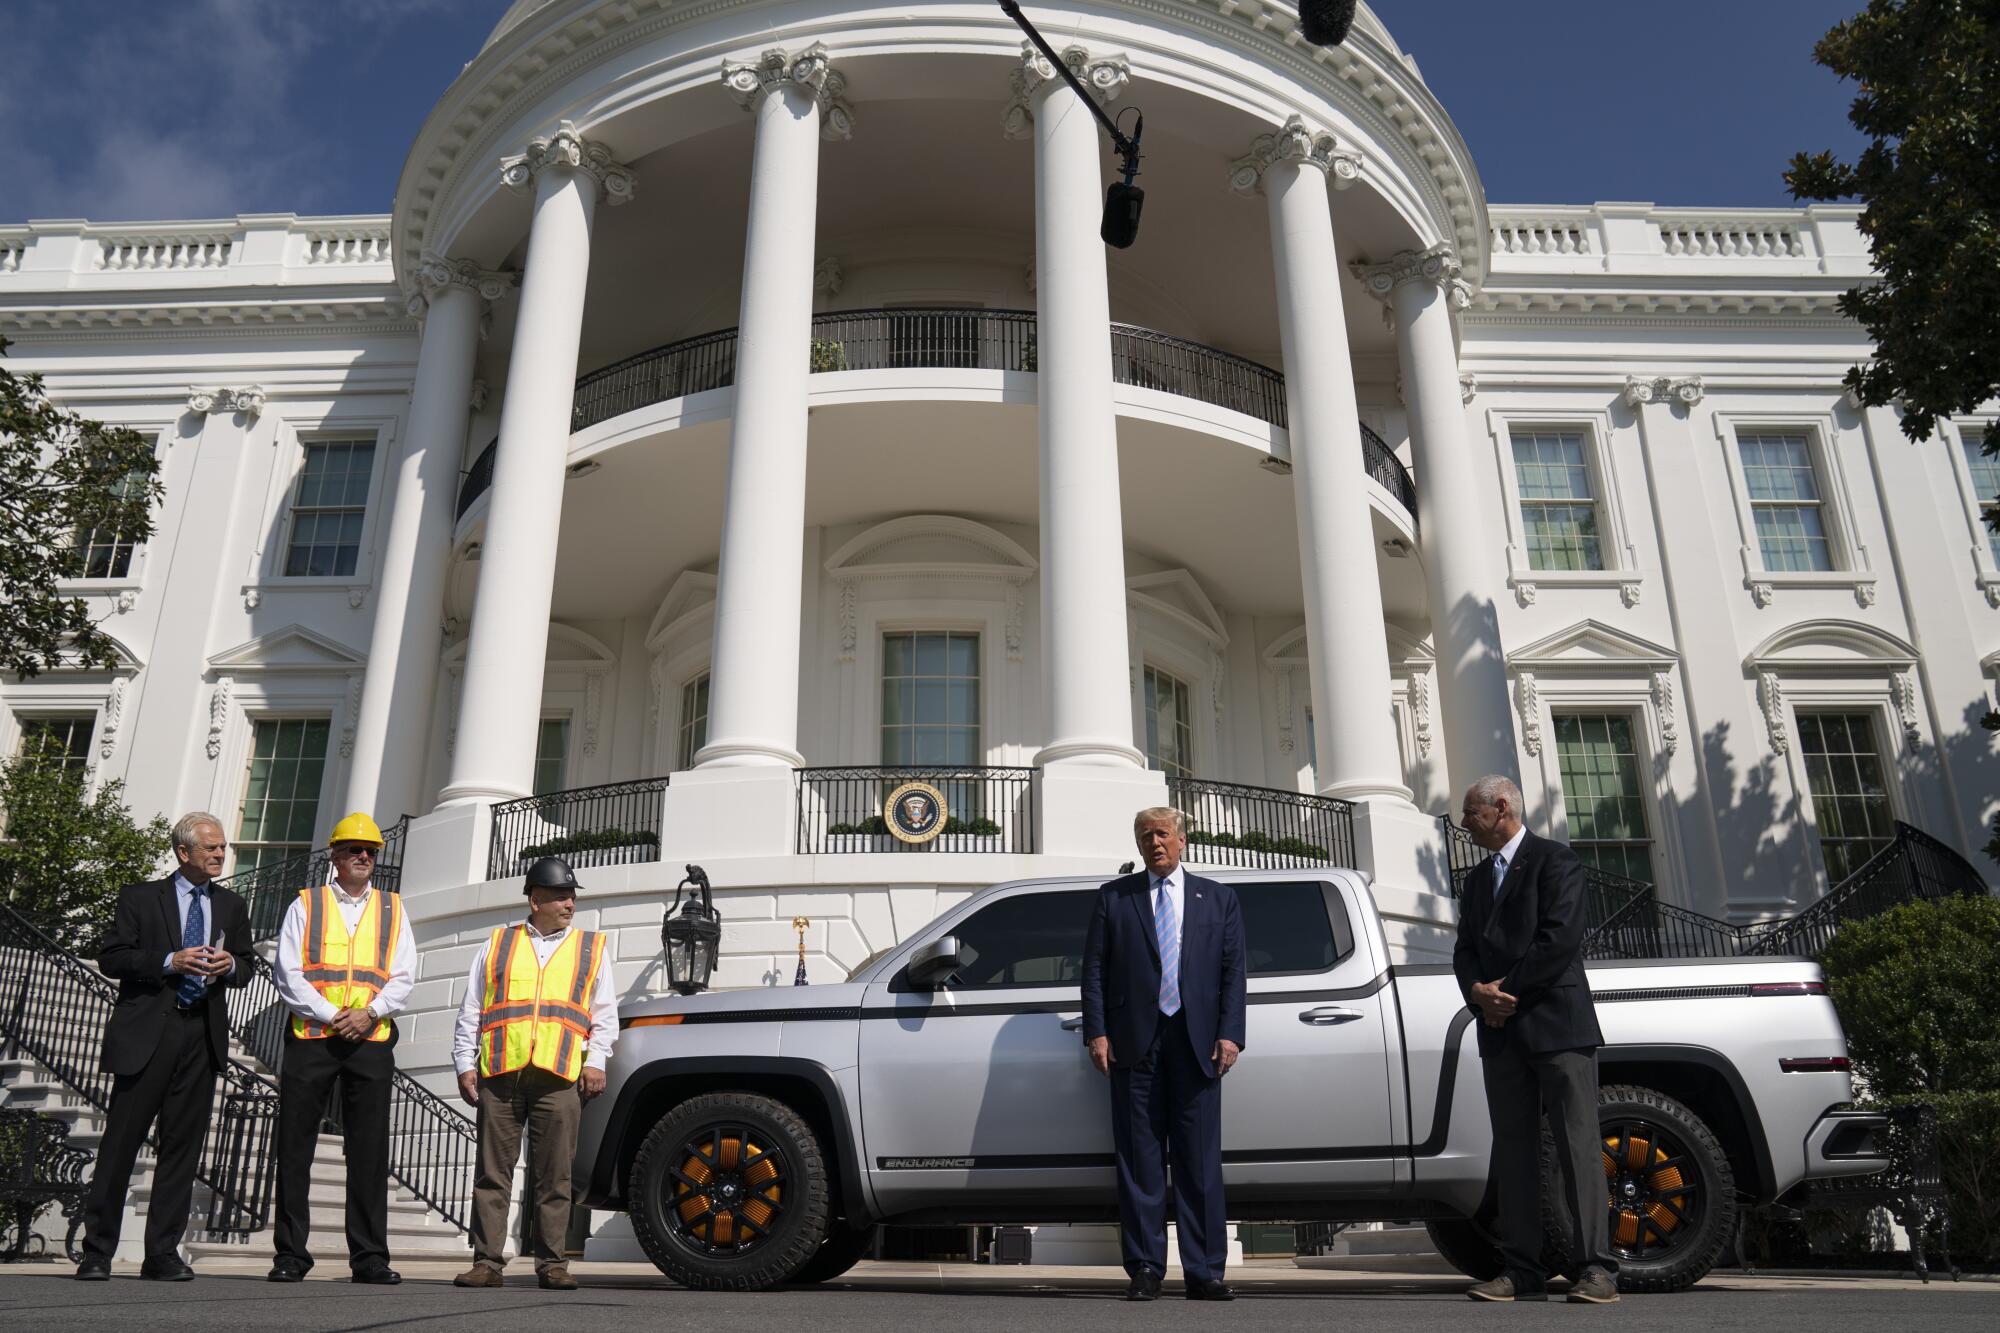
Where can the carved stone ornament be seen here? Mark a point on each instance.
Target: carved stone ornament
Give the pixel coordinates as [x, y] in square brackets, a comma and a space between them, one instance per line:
[1628, 593]
[1293, 142]
[850, 595]
[1771, 697]
[657, 678]
[218, 714]
[252, 598]
[1905, 686]
[829, 277]
[1104, 76]
[1864, 594]
[811, 70]
[437, 274]
[593, 709]
[1016, 608]
[127, 599]
[1281, 690]
[1525, 593]
[476, 400]
[1468, 386]
[1527, 702]
[1215, 681]
[1420, 711]
[568, 149]
[352, 716]
[1993, 595]
[1438, 266]
[114, 709]
[1685, 390]
[249, 400]
[1663, 704]
[1762, 592]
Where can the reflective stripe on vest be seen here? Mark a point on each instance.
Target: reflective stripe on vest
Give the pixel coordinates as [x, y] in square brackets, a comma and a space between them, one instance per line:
[348, 971]
[538, 1014]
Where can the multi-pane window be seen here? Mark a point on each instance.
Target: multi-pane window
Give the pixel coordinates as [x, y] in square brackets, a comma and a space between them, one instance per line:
[1785, 500]
[930, 699]
[1558, 510]
[58, 742]
[1601, 792]
[1985, 470]
[106, 552]
[1849, 795]
[694, 719]
[328, 508]
[280, 814]
[551, 755]
[1169, 725]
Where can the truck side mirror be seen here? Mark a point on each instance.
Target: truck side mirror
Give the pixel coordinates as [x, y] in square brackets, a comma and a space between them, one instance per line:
[932, 965]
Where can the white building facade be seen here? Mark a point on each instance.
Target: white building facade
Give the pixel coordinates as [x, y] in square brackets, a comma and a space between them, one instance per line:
[738, 406]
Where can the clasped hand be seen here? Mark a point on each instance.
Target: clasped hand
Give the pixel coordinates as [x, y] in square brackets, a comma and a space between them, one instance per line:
[351, 1025]
[1495, 1005]
[203, 960]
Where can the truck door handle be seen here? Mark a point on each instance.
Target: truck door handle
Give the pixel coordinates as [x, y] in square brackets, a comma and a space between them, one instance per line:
[1328, 1015]
[1072, 1024]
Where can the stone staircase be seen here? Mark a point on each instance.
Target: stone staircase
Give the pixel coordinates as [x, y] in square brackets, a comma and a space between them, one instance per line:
[415, 1230]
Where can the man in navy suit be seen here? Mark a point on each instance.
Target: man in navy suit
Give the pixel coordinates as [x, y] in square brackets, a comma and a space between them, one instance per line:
[1163, 973]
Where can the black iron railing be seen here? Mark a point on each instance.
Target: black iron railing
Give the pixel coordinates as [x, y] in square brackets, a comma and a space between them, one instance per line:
[1462, 854]
[987, 809]
[615, 824]
[477, 478]
[949, 338]
[1914, 868]
[270, 888]
[53, 1010]
[1233, 825]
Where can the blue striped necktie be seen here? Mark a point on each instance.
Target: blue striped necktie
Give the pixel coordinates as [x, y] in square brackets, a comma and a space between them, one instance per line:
[193, 935]
[1167, 929]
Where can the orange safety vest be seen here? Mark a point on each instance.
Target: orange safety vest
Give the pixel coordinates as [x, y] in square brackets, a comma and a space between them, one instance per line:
[348, 970]
[534, 1014]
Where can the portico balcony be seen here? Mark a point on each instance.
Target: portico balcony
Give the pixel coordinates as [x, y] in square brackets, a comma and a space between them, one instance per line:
[948, 338]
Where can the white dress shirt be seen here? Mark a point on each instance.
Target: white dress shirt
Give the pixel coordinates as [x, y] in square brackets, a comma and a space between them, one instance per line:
[183, 898]
[1503, 860]
[603, 1003]
[298, 993]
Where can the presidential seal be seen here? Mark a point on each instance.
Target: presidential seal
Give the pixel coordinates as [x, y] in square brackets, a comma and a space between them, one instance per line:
[915, 812]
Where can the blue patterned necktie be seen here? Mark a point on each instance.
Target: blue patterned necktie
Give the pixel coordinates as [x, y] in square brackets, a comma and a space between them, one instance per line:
[1167, 929]
[1499, 874]
[193, 935]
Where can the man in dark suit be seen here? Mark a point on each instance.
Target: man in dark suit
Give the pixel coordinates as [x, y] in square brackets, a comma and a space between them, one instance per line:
[1519, 961]
[173, 945]
[1163, 985]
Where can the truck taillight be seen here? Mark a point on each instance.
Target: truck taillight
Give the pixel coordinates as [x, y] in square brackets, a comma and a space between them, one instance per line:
[1814, 1064]
[1788, 988]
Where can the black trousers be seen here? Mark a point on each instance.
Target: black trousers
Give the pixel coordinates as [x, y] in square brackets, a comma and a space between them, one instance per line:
[176, 1088]
[1519, 1086]
[1166, 1105]
[361, 1071]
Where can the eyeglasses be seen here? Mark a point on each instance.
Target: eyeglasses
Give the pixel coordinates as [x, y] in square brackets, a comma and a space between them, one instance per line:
[362, 849]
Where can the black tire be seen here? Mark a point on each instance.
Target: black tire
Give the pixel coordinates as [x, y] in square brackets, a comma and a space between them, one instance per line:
[766, 1215]
[1466, 1247]
[1669, 1186]
[840, 1251]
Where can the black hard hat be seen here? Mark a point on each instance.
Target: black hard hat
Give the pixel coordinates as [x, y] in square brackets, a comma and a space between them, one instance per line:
[551, 872]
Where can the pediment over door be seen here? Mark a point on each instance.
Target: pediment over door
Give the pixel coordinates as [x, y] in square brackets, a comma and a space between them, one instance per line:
[292, 648]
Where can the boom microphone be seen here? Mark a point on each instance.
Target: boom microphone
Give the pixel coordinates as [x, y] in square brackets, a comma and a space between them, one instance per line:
[1325, 22]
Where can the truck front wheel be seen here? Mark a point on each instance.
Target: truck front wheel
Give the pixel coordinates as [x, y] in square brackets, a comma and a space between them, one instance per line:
[1669, 1187]
[729, 1193]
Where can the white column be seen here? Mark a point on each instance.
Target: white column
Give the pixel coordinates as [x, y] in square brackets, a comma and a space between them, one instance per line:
[500, 703]
[753, 715]
[1355, 732]
[1086, 666]
[1421, 286]
[393, 725]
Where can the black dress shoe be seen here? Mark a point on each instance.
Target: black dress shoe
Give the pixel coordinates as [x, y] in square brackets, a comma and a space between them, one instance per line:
[378, 1275]
[93, 1269]
[287, 1268]
[1215, 1289]
[1145, 1286]
[168, 1269]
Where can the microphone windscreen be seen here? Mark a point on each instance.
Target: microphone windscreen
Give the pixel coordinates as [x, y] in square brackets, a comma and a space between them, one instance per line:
[1326, 22]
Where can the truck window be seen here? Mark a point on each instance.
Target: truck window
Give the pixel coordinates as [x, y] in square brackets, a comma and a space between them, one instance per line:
[1031, 939]
[1286, 929]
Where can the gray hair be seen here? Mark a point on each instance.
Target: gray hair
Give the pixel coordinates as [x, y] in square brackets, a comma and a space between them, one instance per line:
[185, 826]
[1153, 812]
[1495, 788]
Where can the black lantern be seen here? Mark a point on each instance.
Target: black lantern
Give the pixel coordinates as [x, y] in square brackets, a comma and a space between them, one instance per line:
[692, 936]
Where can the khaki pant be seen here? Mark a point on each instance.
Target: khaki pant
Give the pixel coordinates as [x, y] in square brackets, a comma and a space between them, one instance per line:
[549, 1109]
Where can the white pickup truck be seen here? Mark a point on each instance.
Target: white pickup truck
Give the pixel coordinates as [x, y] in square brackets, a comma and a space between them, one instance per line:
[756, 1137]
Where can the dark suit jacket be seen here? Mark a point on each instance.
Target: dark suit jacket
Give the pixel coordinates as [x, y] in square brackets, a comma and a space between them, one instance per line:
[1121, 968]
[1532, 943]
[146, 928]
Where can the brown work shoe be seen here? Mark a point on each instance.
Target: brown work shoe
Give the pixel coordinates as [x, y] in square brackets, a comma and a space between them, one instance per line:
[556, 1278]
[481, 1274]
[1596, 1287]
[1502, 1288]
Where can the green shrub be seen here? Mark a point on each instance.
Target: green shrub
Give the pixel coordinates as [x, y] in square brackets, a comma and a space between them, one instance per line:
[1968, 1127]
[66, 853]
[593, 841]
[1258, 841]
[828, 354]
[1916, 994]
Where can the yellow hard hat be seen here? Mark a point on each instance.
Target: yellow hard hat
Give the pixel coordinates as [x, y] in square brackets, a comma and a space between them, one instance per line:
[356, 827]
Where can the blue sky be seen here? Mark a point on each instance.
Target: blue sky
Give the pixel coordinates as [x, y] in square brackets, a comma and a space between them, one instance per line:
[151, 109]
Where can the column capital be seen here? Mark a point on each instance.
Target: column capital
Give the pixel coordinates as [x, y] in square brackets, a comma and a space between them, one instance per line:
[436, 274]
[1437, 265]
[249, 400]
[1293, 142]
[811, 70]
[1105, 77]
[1685, 390]
[568, 149]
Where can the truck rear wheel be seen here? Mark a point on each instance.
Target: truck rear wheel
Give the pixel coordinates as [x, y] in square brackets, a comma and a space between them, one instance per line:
[729, 1193]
